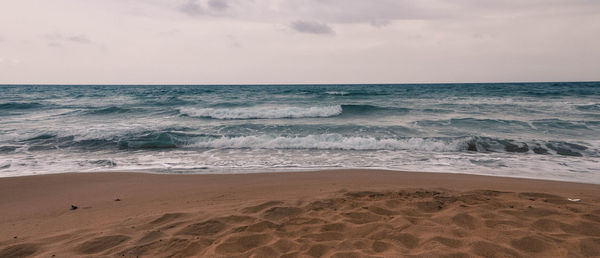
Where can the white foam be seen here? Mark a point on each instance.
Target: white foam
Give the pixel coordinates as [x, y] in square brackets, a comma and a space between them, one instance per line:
[267, 112]
[562, 168]
[330, 142]
[341, 93]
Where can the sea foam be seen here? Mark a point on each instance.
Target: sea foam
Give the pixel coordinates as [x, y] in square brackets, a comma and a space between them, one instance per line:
[332, 142]
[341, 93]
[263, 112]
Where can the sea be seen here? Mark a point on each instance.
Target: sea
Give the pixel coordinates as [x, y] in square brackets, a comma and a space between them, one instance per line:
[526, 130]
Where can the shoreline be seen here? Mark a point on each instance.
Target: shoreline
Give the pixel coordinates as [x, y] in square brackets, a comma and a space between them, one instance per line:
[423, 206]
[197, 172]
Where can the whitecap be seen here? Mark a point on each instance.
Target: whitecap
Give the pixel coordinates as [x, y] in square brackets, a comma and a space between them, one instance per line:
[341, 93]
[263, 112]
[331, 142]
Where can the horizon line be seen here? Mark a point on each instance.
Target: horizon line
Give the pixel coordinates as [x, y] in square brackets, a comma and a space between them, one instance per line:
[280, 84]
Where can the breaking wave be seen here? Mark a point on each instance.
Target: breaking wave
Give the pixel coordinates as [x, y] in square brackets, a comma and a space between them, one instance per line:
[263, 112]
[169, 139]
[331, 142]
[340, 93]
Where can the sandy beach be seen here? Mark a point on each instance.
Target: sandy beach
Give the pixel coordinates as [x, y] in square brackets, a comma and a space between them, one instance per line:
[345, 213]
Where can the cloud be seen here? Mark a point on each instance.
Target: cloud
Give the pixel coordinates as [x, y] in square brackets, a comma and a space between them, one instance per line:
[312, 27]
[59, 40]
[201, 8]
[82, 39]
[55, 44]
[377, 13]
[218, 5]
[10, 62]
[234, 41]
[379, 23]
[191, 8]
[78, 38]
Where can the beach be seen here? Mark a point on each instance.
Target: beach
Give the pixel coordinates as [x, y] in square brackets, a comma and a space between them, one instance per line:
[337, 213]
[300, 128]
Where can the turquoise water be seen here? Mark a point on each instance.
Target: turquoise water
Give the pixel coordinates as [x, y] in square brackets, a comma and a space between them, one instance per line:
[535, 130]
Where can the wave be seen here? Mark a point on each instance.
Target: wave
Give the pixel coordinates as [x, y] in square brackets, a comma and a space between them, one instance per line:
[125, 140]
[354, 93]
[314, 129]
[263, 112]
[434, 144]
[371, 109]
[558, 124]
[19, 105]
[591, 107]
[499, 124]
[169, 139]
[331, 142]
[340, 93]
[108, 110]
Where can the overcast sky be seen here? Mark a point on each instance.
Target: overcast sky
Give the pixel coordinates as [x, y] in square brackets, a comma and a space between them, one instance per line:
[298, 41]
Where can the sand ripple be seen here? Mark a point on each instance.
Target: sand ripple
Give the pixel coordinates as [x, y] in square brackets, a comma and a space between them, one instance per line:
[421, 223]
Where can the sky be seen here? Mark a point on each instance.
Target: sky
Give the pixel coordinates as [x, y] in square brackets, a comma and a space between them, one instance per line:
[297, 41]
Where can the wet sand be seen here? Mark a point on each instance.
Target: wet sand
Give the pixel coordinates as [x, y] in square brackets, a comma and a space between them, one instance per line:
[345, 213]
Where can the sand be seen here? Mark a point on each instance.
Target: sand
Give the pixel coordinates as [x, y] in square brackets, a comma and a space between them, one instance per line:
[346, 213]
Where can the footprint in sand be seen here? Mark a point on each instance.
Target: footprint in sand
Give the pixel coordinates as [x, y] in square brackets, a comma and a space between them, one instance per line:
[169, 247]
[380, 246]
[449, 242]
[20, 250]
[361, 217]
[167, 217]
[241, 244]
[260, 207]
[582, 228]
[206, 228]
[151, 236]
[590, 247]
[547, 225]
[465, 221]
[99, 244]
[277, 213]
[487, 249]
[532, 244]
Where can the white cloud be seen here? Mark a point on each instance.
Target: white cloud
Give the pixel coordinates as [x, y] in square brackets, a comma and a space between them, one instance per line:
[191, 8]
[75, 38]
[311, 27]
[219, 5]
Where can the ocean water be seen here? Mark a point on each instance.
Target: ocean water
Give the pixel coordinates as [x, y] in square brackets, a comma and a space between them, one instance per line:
[531, 130]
